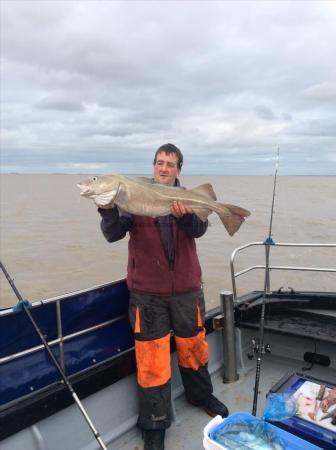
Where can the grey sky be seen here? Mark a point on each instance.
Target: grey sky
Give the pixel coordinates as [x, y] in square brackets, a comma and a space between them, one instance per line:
[97, 86]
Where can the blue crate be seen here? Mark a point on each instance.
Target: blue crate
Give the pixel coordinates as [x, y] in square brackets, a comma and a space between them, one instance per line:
[305, 429]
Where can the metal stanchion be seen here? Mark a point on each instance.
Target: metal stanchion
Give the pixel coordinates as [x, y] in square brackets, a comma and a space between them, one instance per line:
[225, 323]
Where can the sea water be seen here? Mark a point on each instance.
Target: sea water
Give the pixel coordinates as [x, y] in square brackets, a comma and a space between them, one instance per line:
[51, 241]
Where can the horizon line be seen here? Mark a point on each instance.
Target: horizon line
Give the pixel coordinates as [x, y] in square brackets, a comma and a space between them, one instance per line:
[181, 175]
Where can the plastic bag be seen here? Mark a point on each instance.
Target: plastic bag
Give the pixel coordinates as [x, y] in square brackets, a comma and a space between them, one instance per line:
[280, 407]
[248, 434]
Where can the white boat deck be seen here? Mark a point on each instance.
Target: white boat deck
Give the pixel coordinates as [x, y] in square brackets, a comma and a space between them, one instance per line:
[186, 432]
[113, 410]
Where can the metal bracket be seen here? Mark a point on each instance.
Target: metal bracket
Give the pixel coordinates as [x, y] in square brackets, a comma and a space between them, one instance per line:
[218, 322]
[289, 289]
[269, 241]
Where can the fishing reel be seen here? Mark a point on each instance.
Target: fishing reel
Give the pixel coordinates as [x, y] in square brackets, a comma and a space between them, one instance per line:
[255, 349]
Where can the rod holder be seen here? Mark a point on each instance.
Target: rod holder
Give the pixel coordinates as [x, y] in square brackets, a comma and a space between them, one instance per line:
[228, 334]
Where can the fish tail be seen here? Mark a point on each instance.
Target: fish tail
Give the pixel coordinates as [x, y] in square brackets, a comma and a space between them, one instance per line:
[231, 216]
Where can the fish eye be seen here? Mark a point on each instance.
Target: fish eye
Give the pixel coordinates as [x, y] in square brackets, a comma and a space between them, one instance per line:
[94, 178]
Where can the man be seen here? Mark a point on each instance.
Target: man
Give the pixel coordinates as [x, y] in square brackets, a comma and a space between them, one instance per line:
[164, 279]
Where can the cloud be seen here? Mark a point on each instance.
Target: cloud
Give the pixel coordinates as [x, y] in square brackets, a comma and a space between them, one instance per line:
[59, 103]
[325, 91]
[263, 112]
[314, 127]
[92, 82]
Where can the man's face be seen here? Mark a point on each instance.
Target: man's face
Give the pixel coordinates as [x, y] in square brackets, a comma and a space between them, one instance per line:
[165, 168]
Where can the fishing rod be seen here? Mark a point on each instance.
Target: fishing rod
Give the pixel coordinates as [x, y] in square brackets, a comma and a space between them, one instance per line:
[260, 348]
[24, 305]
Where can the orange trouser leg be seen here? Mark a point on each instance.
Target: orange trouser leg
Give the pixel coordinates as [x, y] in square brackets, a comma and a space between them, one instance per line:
[153, 361]
[192, 351]
[150, 321]
[188, 312]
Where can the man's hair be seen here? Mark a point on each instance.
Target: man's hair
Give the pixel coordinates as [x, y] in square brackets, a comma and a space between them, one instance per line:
[169, 149]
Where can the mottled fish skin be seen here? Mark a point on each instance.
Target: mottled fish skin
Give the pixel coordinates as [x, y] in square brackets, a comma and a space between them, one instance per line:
[142, 196]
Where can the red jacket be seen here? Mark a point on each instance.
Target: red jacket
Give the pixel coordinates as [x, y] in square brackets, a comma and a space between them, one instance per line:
[148, 269]
[159, 263]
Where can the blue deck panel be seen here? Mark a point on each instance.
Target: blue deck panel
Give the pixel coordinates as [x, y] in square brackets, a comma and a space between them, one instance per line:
[35, 371]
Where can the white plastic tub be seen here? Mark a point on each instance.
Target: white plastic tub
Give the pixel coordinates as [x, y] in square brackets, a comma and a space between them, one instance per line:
[208, 443]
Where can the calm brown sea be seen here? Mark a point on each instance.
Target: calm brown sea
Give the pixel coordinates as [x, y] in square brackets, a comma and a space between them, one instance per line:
[51, 242]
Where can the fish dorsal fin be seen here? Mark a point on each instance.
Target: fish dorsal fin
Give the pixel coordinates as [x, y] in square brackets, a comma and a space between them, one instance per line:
[206, 190]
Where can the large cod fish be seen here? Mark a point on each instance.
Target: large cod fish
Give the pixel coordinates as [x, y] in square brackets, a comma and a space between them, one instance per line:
[142, 196]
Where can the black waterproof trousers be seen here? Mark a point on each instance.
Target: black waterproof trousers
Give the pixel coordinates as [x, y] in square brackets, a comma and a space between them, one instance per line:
[153, 320]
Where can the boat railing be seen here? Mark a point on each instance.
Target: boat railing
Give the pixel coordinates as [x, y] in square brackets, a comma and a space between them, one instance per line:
[235, 275]
[60, 341]
[61, 337]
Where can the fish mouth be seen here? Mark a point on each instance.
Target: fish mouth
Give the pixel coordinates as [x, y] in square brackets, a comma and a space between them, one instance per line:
[84, 190]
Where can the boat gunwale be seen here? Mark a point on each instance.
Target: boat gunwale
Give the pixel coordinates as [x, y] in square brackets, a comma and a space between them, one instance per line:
[66, 296]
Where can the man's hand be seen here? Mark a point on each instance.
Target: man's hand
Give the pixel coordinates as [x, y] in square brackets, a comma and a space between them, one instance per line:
[178, 210]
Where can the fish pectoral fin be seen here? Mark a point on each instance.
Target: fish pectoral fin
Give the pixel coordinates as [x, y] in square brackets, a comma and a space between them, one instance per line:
[202, 213]
[205, 190]
[106, 197]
